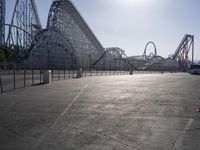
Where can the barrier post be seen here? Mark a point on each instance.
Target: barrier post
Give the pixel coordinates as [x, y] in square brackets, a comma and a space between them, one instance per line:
[1, 85]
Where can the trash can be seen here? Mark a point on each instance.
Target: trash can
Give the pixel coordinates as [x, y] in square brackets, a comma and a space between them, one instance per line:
[131, 69]
[79, 73]
[131, 72]
[47, 77]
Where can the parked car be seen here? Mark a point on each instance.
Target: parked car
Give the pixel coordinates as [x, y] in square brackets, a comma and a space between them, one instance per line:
[195, 69]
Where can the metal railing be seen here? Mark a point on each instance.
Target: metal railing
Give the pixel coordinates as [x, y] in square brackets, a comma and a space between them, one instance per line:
[14, 79]
[15, 75]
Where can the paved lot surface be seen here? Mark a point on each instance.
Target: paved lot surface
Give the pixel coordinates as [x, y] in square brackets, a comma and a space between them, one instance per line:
[140, 112]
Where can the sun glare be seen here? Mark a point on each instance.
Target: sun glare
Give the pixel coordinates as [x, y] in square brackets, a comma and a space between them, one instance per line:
[131, 2]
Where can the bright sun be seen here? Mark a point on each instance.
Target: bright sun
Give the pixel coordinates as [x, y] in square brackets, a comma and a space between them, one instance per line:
[132, 2]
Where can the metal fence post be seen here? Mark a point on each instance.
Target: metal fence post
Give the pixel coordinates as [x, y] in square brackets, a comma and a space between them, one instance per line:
[115, 65]
[1, 85]
[64, 73]
[32, 76]
[59, 74]
[69, 72]
[104, 65]
[73, 71]
[25, 75]
[101, 71]
[40, 76]
[52, 75]
[110, 69]
[85, 70]
[124, 67]
[118, 68]
[14, 79]
[72, 64]
[90, 69]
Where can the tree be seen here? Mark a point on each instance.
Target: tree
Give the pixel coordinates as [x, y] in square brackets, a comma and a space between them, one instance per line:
[2, 55]
[7, 54]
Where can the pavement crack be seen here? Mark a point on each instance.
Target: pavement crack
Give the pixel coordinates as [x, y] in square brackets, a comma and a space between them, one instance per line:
[43, 136]
[15, 133]
[105, 136]
[179, 140]
[22, 136]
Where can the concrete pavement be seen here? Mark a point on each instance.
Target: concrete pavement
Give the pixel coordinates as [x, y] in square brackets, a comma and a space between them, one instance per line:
[139, 112]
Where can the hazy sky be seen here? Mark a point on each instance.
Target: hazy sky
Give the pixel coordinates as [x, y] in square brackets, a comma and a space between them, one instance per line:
[130, 24]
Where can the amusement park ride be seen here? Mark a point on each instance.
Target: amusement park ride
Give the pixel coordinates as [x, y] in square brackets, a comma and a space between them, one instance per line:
[67, 34]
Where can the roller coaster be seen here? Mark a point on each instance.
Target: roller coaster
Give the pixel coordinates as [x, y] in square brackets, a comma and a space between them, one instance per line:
[68, 41]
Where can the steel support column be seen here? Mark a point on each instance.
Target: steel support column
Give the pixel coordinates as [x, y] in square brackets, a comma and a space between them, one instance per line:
[2, 21]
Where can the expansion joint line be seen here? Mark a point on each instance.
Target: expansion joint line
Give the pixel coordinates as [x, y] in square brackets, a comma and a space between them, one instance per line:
[41, 139]
[180, 139]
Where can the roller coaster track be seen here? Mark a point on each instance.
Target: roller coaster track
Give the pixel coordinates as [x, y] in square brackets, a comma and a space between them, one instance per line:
[67, 31]
[78, 40]
[184, 42]
[145, 49]
[15, 39]
[24, 26]
[116, 54]
[152, 62]
[182, 51]
[151, 58]
[63, 15]
[111, 51]
[34, 42]
[39, 36]
[180, 55]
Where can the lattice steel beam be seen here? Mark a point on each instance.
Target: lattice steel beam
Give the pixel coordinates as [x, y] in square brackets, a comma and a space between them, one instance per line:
[65, 21]
[113, 58]
[65, 17]
[25, 17]
[2, 21]
[182, 52]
